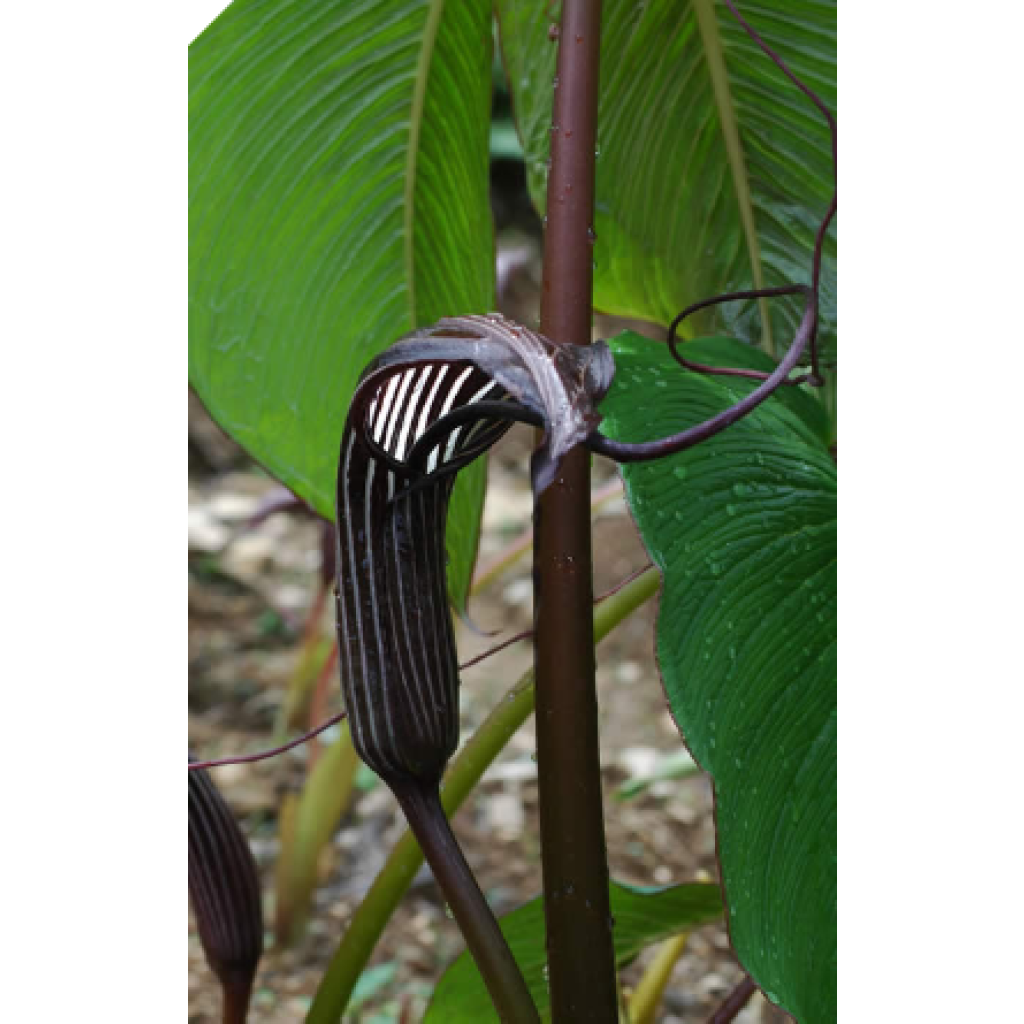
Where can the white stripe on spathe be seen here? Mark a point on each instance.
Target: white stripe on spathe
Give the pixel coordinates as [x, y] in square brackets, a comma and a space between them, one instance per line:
[402, 685]
[449, 401]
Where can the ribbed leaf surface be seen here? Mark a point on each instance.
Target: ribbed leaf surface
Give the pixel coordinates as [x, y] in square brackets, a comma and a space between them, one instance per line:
[713, 170]
[743, 528]
[337, 199]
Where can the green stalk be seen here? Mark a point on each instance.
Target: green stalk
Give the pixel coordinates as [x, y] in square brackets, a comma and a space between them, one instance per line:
[506, 558]
[645, 1000]
[371, 916]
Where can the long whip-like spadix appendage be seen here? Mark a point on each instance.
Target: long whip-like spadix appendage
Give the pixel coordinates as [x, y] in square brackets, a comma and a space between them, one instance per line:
[263, 755]
[224, 888]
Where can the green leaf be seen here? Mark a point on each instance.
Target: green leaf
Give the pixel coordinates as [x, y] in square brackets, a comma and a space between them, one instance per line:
[714, 170]
[642, 917]
[338, 198]
[743, 529]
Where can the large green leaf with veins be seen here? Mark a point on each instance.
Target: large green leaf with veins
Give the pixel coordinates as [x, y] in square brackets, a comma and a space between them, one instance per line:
[743, 529]
[338, 155]
[713, 169]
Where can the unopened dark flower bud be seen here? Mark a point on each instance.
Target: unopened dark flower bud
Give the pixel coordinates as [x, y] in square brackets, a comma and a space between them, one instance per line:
[223, 886]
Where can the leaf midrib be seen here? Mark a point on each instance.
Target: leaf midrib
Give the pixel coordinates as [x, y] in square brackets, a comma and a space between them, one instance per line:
[419, 96]
[707, 25]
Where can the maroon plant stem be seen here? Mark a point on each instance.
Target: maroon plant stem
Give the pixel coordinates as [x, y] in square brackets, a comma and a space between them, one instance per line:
[527, 633]
[734, 1002]
[421, 804]
[581, 961]
[509, 554]
[235, 1009]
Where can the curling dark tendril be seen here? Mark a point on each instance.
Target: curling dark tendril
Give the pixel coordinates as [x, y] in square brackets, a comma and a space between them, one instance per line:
[622, 451]
[729, 371]
[805, 340]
